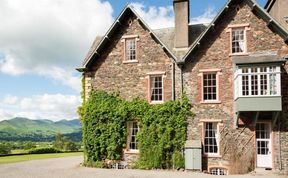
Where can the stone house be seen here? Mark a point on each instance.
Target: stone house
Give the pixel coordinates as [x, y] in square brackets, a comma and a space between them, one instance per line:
[234, 71]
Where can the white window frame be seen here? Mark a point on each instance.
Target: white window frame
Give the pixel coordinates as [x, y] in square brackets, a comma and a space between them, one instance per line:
[245, 28]
[130, 128]
[238, 80]
[217, 138]
[218, 171]
[150, 86]
[203, 72]
[124, 40]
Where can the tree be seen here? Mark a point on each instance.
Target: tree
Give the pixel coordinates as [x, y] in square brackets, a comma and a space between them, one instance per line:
[5, 148]
[61, 143]
[70, 146]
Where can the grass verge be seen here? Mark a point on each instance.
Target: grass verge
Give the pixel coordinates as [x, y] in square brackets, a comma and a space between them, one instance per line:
[20, 158]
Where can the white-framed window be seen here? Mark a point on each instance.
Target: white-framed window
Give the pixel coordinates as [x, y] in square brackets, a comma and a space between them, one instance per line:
[218, 171]
[211, 138]
[257, 81]
[210, 87]
[238, 38]
[133, 128]
[130, 48]
[130, 51]
[156, 89]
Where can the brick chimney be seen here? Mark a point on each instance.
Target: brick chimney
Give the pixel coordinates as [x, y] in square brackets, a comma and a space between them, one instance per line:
[181, 10]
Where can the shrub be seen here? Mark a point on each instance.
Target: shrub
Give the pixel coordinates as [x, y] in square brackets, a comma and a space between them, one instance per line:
[44, 150]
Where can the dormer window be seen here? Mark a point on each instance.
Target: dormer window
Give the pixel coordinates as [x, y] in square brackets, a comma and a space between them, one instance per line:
[130, 48]
[238, 39]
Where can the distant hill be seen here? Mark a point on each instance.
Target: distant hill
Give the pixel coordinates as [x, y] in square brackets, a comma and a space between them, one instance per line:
[23, 129]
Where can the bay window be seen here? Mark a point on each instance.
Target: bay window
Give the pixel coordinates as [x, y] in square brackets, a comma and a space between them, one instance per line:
[257, 81]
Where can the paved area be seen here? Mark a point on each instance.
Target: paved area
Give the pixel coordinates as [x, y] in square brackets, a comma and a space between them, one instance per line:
[69, 167]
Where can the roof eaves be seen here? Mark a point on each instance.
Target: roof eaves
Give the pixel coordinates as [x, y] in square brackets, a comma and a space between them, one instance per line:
[153, 34]
[106, 37]
[257, 9]
[271, 22]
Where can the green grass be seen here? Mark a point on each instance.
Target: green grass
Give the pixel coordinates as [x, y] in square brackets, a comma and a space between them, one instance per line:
[20, 158]
[18, 151]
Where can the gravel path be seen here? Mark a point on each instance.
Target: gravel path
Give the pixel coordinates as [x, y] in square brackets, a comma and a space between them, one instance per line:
[69, 167]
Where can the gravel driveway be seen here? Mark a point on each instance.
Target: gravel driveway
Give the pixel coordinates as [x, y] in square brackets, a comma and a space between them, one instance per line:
[69, 167]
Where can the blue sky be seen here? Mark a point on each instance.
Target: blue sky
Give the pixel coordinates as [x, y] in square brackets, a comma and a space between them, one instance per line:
[44, 40]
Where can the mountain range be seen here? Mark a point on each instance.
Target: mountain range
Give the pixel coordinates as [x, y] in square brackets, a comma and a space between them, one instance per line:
[24, 129]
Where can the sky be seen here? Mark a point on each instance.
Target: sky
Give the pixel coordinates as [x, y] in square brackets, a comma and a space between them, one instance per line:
[43, 41]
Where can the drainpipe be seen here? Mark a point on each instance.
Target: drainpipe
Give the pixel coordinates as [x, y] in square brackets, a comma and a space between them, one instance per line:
[279, 142]
[173, 81]
[182, 81]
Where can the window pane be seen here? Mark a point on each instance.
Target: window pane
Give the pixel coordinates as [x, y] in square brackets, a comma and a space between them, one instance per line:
[238, 42]
[130, 49]
[133, 130]
[156, 88]
[210, 142]
[209, 87]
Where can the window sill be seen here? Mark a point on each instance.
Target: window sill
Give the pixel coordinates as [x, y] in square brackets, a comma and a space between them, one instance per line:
[156, 102]
[239, 54]
[210, 102]
[207, 155]
[127, 151]
[131, 61]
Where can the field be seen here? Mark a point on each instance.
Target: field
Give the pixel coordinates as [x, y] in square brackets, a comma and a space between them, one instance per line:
[20, 158]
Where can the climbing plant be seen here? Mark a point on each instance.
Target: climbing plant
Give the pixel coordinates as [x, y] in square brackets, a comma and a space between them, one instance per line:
[161, 138]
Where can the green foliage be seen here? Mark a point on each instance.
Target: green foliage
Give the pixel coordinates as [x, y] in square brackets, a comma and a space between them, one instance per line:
[161, 138]
[44, 150]
[5, 148]
[80, 109]
[61, 143]
[29, 145]
[104, 126]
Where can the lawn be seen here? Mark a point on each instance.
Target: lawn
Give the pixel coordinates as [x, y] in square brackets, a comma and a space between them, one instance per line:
[20, 158]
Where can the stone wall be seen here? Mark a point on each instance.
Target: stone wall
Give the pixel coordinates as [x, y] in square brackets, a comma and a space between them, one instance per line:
[237, 145]
[130, 80]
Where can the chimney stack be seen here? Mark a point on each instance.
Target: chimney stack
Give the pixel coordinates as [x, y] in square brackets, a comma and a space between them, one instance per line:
[181, 11]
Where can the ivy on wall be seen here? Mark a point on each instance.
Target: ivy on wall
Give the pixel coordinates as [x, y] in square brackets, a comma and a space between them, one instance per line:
[161, 138]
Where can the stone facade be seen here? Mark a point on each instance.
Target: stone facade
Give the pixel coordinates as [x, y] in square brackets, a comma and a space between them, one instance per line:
[236, 145]
[131, 80]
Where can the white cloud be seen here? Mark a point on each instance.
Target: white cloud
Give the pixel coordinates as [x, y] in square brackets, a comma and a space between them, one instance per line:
[207, 17]
[44, 34]
[53, 107]
[10, 100]
[156, 17]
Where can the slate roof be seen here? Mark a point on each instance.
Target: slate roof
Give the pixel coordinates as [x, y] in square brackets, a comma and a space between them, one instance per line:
[166, 36]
